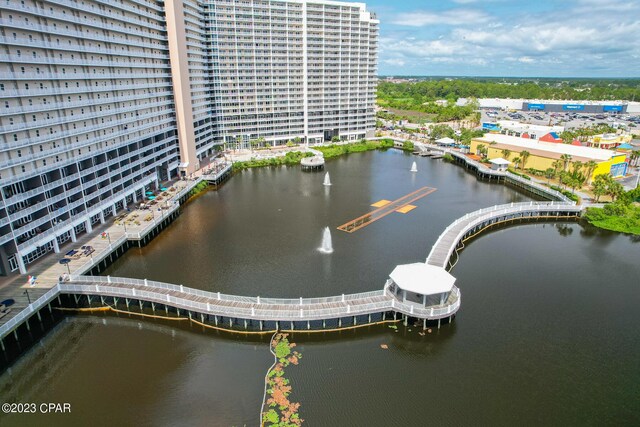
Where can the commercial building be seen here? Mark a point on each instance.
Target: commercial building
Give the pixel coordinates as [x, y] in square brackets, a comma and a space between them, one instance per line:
[608, 140]
[556, 106]
[101, 100]
[542, 154]
[568, 106]
[513, 128]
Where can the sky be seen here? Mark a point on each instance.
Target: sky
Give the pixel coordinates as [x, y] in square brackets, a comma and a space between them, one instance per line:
[519, 38]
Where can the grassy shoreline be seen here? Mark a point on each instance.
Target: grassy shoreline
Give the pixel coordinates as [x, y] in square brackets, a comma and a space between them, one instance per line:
[335, 150]
[623, 215]
[289, 159]
[622, 222]
[330, 151]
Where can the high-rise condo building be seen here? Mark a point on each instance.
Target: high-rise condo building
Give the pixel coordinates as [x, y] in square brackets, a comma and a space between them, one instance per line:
[102, 98]
[292, 69]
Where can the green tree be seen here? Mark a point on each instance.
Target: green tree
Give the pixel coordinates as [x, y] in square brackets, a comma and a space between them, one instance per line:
[614, 189]
[577, 166]
[549, 174]
[557, 165]
[516, 162]
[590, 166]
[441, 131]
[506, 153]
[564, 177]
[566, 159]
[599, 186]
[524, 155]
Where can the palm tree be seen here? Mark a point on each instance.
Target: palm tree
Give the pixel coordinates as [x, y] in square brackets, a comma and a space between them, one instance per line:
[549, 173]
[566, 159]
[577, 165]
[516, 161]
[590, 166]
[556, 165]
[599, 187]
[480, 149]
[506, 154]
[525, 156]
[614, 189]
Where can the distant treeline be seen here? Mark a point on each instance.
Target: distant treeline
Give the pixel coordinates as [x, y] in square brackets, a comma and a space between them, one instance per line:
[417, 95]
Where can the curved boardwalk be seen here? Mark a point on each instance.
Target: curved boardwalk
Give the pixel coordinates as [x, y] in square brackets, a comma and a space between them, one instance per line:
[358, 308]
[474, 222]
[251, 308]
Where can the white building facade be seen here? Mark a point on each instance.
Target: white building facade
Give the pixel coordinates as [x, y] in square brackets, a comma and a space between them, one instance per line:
[293, 70]
[87, 118]
[102, 99]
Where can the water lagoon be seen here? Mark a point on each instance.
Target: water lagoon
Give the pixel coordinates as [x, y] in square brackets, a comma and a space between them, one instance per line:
[545, 335]
[259, 234]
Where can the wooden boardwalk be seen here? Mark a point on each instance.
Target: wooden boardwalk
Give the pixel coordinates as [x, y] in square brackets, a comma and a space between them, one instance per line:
[105, 291]
[366, 219]
[110, 290]
[474, 222]
[256, 308]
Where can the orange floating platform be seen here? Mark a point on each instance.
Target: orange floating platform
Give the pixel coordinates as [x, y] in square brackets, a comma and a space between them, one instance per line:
[405, 209]
[381, 203]
[401, 205]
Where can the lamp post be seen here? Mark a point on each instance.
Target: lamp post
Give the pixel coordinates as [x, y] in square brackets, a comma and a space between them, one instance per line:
[26, 292]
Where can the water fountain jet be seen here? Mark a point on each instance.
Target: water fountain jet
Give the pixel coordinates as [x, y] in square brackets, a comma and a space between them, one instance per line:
[327, 245]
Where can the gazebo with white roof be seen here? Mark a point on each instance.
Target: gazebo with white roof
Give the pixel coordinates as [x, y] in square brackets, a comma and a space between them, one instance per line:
[445, 141]
[421, 283]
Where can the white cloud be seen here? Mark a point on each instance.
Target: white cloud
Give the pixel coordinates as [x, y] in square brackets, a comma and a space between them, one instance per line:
[455, 17]
[585, 35]
[395, 62]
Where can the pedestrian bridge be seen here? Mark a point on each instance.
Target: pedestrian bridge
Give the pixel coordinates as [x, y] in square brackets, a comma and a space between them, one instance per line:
[254, 308]
[475, 222]
[257, 313]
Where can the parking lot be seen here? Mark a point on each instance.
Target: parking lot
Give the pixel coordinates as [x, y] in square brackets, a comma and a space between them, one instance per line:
[570, 120]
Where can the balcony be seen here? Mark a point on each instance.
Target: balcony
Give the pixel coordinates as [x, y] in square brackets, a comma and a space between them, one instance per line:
[137, 131]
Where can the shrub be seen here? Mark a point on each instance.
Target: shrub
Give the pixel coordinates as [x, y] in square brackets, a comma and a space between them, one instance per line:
[408, 146]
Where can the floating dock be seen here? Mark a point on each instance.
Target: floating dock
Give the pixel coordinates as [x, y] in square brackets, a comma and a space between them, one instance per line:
[385, 209]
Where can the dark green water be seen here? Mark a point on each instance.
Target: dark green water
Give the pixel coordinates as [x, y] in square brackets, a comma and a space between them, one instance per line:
[546, 335]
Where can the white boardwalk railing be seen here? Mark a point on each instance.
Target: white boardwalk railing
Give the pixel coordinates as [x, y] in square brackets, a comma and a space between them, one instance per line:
[447, 241]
